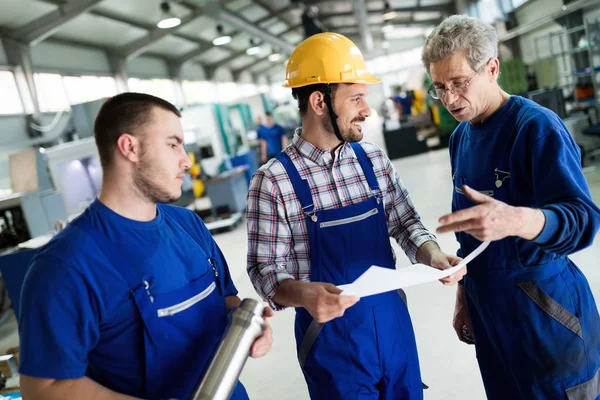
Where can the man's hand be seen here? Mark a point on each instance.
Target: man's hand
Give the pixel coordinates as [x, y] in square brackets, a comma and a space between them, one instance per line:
[323, 301]
[430, 254]
[443, 261]
[492, 219]
[461, 321]
[262, 344]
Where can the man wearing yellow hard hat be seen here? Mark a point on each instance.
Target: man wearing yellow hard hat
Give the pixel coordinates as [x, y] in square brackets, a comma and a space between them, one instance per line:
[319, 215]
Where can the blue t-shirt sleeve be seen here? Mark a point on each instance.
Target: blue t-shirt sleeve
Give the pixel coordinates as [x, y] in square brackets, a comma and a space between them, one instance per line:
[560, 190]
[260, 132]
[58, 322]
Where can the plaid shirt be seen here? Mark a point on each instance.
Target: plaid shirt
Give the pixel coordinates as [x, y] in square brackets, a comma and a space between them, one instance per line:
[277, 234]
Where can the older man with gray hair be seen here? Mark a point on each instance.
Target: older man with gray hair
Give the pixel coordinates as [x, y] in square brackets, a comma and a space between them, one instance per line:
[518, 183]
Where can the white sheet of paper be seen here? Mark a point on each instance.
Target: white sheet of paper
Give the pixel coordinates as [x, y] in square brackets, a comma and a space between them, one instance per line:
[377, 280]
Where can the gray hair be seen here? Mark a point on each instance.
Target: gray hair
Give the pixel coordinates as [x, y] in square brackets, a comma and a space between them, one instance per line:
[479, 41]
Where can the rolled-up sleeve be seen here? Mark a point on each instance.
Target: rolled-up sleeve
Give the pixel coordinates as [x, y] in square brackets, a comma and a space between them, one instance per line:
[269, 238]
[404, 222]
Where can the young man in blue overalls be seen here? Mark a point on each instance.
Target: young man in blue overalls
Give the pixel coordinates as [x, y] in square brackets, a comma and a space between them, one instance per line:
[518, 182]
[319, 215]
[131, 299]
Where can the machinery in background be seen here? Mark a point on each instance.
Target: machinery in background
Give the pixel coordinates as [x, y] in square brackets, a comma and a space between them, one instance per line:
[219, 135]
[34, 208]
[76, 172]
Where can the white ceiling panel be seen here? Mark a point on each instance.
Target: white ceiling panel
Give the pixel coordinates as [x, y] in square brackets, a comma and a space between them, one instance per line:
[213, 55]
[17, 13]
[254, 13]
[335, 7]
[278, 28]
[171, 46]
[294, 37]
[241, 62]
[341, 21]
[205, 28]
[99, 31]
[237, 5]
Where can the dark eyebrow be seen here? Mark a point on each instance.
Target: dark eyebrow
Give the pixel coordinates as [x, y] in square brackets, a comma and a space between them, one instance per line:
[176, 138]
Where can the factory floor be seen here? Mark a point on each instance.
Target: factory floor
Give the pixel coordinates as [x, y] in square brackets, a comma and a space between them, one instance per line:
[448, 366]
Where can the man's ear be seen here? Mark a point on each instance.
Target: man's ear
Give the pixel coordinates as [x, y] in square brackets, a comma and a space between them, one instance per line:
[494, 68]
[129, 146]
[316, 101]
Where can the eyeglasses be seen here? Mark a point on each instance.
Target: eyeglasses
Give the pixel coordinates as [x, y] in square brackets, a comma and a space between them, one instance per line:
[457, 89]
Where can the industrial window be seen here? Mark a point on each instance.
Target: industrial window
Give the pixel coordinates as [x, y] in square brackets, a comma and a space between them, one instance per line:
[10, 101]
[163, 88]
[81, 89]
[51, 93]
[199, 92]
[247, 90]
[226, 91]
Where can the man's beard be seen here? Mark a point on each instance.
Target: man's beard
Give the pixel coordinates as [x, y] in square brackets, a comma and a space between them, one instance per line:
[347, 135]
[145, 181]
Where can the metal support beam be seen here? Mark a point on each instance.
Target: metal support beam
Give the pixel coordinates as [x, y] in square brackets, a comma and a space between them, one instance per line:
[229, 59]
[403, 23]
[360, 10]
[46, 25]
[148, 27]
[137, 47]
[239, 54]
[193, 53]
[210, 73]
[443, 8]
[283, 17]
[19, 57]
[253, 63]
[216, 11]
[236, 75]
[118, 66]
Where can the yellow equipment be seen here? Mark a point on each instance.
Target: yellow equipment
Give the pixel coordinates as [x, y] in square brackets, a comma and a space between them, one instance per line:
[194, 171]
[327, 58]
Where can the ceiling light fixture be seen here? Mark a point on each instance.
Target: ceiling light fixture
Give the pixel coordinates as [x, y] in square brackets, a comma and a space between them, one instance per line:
[275, 57]
[253, 50]
[221, 39]
[387, 12]
[168, 20]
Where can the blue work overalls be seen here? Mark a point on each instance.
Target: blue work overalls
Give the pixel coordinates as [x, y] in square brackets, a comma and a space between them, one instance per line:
[536, 328]
[370, 352]
[182, 328]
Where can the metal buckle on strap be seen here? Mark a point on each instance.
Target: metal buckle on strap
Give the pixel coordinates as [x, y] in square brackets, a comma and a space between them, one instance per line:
[310, 214]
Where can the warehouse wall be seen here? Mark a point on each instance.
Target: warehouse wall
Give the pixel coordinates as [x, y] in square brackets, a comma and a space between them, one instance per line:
[532, 11]
[70, 59]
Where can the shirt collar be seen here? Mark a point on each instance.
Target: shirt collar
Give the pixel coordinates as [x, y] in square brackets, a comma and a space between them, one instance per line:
[318, 156]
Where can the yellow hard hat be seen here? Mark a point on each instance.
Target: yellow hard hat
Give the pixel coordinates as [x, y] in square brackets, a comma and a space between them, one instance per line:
[327, 58]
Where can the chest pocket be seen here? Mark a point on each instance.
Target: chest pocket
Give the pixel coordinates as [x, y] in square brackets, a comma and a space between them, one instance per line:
[483, 184]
